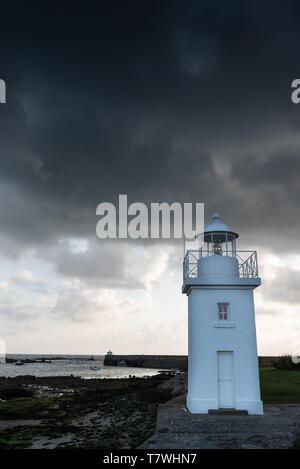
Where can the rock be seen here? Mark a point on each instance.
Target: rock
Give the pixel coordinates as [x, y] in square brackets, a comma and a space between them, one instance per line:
[278, 440]
[256, 438]
[249, 446]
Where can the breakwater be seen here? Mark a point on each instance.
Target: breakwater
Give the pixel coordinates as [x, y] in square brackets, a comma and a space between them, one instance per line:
[148, 361]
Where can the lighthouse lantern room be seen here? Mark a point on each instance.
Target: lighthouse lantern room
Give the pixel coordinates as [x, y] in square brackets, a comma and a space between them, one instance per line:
[219, 281]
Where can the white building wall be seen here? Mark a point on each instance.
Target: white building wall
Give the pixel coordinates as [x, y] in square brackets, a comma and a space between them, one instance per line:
[208, 335]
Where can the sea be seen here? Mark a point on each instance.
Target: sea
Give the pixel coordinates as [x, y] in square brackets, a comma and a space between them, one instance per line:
[67, 365]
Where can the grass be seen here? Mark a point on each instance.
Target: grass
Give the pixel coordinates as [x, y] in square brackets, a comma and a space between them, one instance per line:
[265, 365]
[279, 386]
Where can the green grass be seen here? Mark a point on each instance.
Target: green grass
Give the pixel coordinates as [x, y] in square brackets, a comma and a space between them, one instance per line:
[266, 365]
[279, 386]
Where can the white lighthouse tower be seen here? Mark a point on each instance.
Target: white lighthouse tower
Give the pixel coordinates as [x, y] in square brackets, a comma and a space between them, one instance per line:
[223, 365]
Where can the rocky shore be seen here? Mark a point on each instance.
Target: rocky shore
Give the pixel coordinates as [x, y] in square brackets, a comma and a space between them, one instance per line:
[71, 412]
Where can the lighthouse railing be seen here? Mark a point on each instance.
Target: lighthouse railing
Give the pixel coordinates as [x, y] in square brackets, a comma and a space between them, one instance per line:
[247, 261]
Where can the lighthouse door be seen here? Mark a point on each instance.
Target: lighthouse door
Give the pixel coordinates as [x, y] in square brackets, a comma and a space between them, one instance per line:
[225, 380]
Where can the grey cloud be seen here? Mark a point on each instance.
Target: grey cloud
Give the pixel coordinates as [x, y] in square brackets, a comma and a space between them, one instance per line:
[108, 264]
[74, 306]
[279, 169]
[284, 287]
[10, 310]
[35, 285]
[102, 264]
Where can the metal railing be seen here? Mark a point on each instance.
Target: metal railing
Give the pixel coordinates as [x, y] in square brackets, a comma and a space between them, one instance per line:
[247, 261]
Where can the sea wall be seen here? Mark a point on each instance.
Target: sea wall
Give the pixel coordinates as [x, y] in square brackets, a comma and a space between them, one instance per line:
[148, 361]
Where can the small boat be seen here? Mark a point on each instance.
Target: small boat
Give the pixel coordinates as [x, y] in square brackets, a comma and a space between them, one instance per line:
[95, 368]
[19, 363]
[123, 363]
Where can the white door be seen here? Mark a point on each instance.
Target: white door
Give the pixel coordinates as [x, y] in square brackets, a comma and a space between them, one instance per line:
[226, 380]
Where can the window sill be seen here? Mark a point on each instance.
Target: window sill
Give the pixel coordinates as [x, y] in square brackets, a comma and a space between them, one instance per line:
[224, 324]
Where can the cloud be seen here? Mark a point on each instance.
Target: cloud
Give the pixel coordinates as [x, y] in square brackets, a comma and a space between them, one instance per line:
[27, 280]
[76, 303]
[109, 264]
[284, 287]
[279, 169]
[24, 276]
[13, 310]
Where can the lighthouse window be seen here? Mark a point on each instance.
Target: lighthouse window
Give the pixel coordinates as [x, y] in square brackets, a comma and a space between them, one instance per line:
[223, 311]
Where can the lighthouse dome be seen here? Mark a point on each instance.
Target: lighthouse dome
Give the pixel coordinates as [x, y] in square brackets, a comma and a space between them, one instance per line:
[216, 226]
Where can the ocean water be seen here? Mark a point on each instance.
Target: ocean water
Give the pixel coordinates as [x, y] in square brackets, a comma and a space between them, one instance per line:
[76, 365]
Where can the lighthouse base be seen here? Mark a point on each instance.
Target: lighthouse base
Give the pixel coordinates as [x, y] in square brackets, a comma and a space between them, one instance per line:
[202, 406]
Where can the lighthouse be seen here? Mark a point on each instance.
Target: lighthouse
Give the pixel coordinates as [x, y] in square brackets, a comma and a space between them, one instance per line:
[219, 281]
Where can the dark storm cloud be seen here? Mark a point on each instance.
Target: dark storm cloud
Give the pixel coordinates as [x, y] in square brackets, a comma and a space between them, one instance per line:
[159, 100]
[278, 169]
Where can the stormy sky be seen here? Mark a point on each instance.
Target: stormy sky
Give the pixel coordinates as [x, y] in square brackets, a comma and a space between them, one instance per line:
[164, 101]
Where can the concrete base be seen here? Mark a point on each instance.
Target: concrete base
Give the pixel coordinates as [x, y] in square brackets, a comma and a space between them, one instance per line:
[203, 406]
